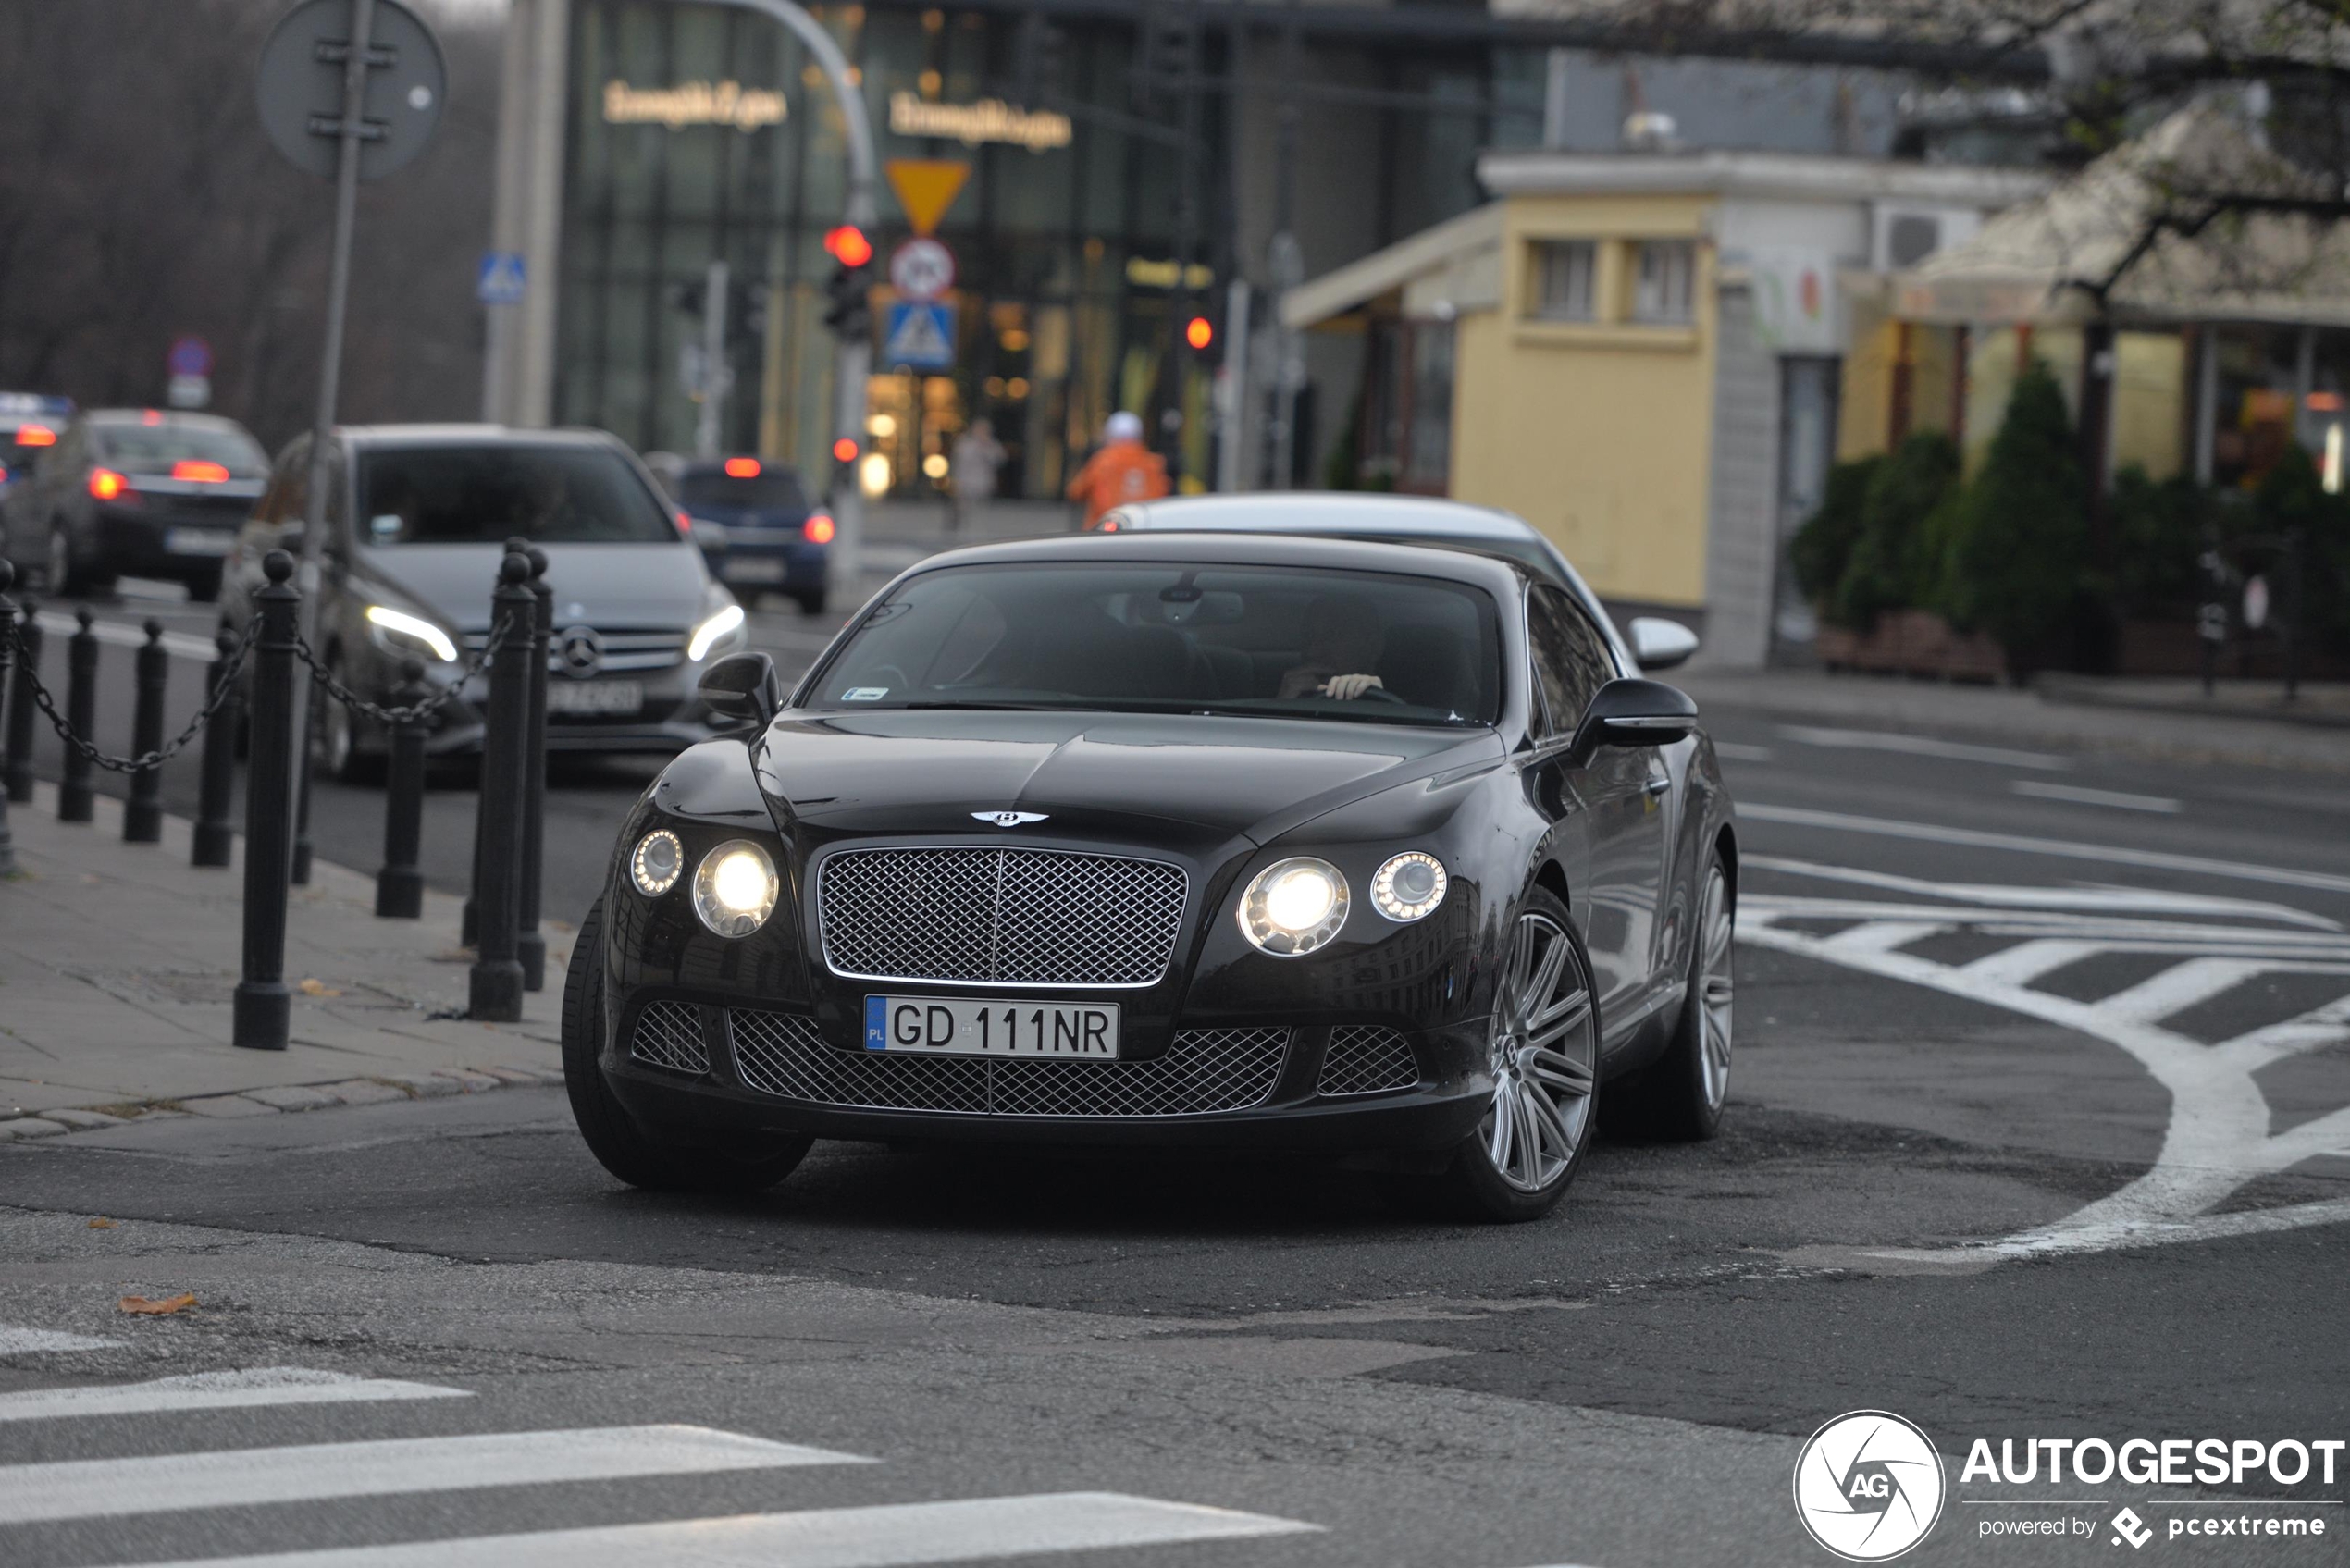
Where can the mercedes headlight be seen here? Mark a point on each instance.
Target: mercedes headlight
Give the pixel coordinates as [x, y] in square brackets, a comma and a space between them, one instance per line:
[1293, 906]
[396, 631]
[656, 863]
[1409, 886]
[711, 632]
[734, 889]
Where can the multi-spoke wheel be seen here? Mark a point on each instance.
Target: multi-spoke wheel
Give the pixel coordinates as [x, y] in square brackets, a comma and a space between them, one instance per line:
[1681, 1095]
[1543, 1036]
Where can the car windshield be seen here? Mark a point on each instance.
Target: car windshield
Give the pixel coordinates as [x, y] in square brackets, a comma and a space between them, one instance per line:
[462, 495]
[1170, 637]
[770, 489]
[154, 449]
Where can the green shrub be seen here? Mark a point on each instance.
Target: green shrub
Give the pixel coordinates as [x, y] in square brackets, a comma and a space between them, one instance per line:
[2290, 502]
[2158, 535]
[1886, 568]
[2021, 536]
[1823, 547]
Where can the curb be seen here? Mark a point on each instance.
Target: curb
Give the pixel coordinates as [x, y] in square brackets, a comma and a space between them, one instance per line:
[439, 1084]
[2076, 692]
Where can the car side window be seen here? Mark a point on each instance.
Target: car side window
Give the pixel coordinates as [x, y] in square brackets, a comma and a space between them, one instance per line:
[1570, 657]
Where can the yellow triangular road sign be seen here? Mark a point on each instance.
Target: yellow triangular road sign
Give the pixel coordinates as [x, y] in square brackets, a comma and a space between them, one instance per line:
[926, 188]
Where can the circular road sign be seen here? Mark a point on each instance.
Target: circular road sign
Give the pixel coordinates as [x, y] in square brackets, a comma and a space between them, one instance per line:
[189, 355]
[921, 269]
[300, 86]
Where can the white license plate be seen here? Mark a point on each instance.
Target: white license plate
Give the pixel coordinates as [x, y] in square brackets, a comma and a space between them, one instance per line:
[604, 697]
[198, 541]
[953, 1026]
[754, 571]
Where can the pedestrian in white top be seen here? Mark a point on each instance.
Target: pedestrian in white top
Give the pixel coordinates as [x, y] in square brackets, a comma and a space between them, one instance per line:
[971, 472]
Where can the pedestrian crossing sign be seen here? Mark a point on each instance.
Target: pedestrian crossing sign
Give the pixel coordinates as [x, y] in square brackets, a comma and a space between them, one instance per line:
[921, 335]
[500, 281]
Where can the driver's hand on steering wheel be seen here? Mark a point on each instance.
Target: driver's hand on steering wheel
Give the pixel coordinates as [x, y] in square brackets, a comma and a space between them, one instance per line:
[1346, 689]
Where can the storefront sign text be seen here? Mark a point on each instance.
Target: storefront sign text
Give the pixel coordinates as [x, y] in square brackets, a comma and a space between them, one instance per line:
[990, 119]
[692, 102]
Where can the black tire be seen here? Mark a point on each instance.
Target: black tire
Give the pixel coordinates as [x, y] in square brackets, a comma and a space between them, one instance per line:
[62, 575]
[1680, 1096]
[812, 600]
[618, 1144]
[204, 587]
[1476, 1183]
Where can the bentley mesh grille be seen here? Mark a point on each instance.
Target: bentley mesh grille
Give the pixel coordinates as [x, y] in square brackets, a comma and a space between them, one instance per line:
[1019, 917]
[1365, 1059]
[1204, 1070]
[669, 1035]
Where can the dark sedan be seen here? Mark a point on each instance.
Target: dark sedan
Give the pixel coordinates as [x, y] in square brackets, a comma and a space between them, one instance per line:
[1200, 839]
[758, 529]
[135, 492]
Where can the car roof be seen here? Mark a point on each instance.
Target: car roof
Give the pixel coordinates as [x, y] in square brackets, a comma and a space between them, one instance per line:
[471, 434]
[165, 417]
[1313, 512]
[1499, 577]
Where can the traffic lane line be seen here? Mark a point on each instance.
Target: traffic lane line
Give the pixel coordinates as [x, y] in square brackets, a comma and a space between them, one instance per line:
[1975, 838]
[15, 1340]
[56, 623]
[2119, 800]
[1922, 746]
[98, 1488]
[241, 1389]
[878, 1536]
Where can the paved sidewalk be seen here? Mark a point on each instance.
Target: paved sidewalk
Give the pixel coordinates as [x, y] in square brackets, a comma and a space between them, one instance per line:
[2229, 732]
[118, 963]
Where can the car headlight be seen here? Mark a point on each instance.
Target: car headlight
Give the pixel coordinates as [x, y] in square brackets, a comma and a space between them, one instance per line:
[656, 863]
[723, 624]
[1294, 906]
[396, 631]
[734, 889]
[1409, 886]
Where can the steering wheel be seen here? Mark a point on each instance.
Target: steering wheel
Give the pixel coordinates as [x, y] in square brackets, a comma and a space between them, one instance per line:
[1383, 695]
[892, 677]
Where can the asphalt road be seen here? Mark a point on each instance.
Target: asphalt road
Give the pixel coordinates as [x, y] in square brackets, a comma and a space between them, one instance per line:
[2038, 1131]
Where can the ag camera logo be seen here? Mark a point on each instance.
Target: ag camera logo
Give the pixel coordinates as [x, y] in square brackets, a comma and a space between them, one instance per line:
[1868, 1486]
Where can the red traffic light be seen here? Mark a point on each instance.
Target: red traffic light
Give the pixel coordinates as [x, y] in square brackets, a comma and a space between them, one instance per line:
[845, 450]
[847, 245]
[1199, 332]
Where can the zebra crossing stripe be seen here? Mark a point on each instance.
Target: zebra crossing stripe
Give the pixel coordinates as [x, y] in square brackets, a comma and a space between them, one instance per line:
[883, 1536]
[43, 1342]
[96, 1488]
[216, 1390]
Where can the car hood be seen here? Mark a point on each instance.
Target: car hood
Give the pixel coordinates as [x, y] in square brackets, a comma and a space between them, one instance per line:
[651, 585]
[1191, 777]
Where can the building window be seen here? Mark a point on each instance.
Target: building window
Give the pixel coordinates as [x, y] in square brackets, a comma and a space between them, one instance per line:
[1564, 275]
[1665, 282]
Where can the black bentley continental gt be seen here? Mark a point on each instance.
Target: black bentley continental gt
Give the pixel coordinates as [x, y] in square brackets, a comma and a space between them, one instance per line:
[1166, 838]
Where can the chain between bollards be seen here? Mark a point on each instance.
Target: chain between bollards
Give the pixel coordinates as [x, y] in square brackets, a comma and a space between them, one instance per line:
[495, 991]
[400, 886]
[21, 706]
[531, 943]
[214, 839]
[77, 802]
[143, 813]
[263, 1013]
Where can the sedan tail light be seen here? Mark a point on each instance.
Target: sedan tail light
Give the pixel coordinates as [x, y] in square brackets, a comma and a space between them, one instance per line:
[199, 471]
[818, 529]
[107, 484]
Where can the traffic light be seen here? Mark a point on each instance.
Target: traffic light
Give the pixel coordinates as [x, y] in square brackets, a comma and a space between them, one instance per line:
[846, 451]
[848, 306]
[1199, 332]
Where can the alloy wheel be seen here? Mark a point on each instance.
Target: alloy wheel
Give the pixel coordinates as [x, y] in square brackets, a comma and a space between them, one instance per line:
[1545, 1057]
[1716, 987]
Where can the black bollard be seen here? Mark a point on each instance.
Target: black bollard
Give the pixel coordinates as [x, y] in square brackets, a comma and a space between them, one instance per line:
[496, 990]
[19, 774]
[263, 1015]
[77, 802]
[215, 835]
[469, 926]
[142, 814]
[400, 886]
[7, 647]
[531, 943]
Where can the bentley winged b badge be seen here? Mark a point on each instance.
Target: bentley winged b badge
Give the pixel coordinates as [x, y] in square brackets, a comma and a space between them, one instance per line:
[1008, 819]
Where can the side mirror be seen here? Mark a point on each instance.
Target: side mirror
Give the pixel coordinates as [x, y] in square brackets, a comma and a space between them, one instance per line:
[1659, 643]
[742, 687]
[1633, 712]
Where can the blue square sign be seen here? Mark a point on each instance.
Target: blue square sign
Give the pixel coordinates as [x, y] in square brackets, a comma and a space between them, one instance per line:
[921, 335]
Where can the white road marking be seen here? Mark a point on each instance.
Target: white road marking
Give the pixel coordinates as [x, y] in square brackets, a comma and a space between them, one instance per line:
[1934, 832]
[216, 1390]
[821, 1537]
[1731, 751]
[56, 623]
[43, 1342]
[99, 1488]
[1922, 746]
[2080, 896]
[2219, 1138]
[2120, 800]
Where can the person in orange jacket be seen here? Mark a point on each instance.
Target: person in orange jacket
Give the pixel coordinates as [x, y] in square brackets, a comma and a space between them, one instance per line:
[1121, 469]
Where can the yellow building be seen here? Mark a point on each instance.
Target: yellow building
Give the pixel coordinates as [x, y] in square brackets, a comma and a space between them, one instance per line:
[1642, 354]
